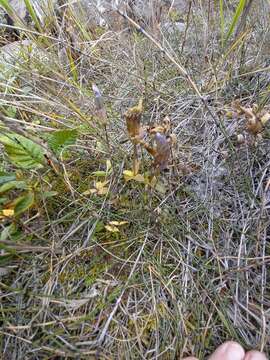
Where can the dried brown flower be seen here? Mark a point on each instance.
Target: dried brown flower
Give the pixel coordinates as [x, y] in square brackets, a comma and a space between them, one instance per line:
[133, 120]
[162, 154]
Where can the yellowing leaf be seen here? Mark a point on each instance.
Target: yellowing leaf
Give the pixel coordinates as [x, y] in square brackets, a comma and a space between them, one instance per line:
[129, 175]
[89, 192]
[265, 118]
[99, 185]
[229, 114]
[8, 212]
[101, 189]
[118, 223]
[112, 228]
[153, 181]
[108, 165]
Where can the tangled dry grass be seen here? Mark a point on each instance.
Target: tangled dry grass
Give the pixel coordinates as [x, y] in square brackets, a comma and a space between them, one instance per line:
[189, 270]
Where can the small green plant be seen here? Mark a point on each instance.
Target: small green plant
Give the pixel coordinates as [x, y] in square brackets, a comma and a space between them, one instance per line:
[18, 191]
[22, 151]
[60, 139]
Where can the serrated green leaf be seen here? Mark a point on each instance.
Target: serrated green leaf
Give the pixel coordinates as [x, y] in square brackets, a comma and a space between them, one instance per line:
[23, 203]
[12, 185]
[62, 138]
[23, 152]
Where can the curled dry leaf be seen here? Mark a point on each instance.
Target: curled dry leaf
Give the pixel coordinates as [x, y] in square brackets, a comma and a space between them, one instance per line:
[133, 121]
[100, 110]
[254, 126]
[148, 148]
[162, 129]
[157, 129]
[162, 152]
[255, 120]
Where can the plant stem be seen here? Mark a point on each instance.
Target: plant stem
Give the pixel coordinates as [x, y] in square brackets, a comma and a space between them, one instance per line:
[135, 159]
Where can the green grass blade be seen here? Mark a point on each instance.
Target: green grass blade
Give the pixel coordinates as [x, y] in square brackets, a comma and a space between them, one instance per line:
[221, 12]
[33, 15]
[236, 17]
[5, 5]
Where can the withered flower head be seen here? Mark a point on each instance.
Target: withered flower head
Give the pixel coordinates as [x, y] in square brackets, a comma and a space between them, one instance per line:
[162, 152]
[133, 120]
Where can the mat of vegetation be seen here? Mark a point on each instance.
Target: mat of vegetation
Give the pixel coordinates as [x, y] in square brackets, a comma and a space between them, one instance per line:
[134, 178]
